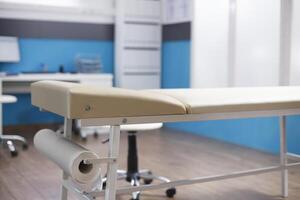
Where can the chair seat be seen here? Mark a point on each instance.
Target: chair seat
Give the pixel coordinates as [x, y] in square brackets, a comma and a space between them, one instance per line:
[141, 127]
[7, 99]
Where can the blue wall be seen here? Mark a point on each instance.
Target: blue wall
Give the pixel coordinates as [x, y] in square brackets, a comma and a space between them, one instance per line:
[258, 133]
[52, 52]
[176, 64]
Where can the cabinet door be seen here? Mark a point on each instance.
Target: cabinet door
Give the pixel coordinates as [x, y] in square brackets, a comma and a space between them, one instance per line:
[144, 35]
[257, 43]
[141, 81]
[142, 60]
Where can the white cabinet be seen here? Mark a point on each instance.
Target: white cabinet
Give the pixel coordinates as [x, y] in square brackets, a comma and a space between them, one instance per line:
[142, 9]
[147, 34]
[142, 60]
[141, 80]
[138, 44]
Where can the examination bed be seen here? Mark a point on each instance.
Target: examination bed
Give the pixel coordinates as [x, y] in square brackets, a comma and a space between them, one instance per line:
[96, 106]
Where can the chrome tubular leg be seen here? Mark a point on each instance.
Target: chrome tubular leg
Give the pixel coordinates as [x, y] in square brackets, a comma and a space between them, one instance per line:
[11, 148]
[121, 176]
[14, 137]
[135, 183]
[283, 157]
[67, 134]
[111, 183]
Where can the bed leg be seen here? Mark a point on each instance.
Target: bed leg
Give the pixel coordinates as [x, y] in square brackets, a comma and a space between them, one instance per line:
[283, 157]
[67, 134]
[113, 152]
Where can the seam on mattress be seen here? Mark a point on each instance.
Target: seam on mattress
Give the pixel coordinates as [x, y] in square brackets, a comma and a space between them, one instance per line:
[187, 107]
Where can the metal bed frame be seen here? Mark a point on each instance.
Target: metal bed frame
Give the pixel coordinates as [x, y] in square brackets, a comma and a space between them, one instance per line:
[114, 137]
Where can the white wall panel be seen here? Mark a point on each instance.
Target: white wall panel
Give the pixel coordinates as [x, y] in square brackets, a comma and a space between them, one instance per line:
[295, 52]
[257, 43]
[210, 43]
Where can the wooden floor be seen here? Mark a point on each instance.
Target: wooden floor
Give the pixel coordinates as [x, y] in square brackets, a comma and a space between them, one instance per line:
[173, 154]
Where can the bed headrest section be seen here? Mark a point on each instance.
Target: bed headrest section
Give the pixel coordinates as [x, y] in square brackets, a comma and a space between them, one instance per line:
[79, 101]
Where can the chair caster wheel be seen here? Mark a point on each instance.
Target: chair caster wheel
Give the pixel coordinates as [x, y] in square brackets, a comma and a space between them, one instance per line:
[25, 146]
[171, 192]
[104, 185]
[148, 181]
[13, 153]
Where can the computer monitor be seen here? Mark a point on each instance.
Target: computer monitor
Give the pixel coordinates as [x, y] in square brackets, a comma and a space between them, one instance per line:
[9, 49]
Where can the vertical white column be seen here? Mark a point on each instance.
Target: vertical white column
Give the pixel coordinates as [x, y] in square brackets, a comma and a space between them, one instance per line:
[257, 43]
[286, 14]
[118, 43]
[295, 44]
[283, 157]
[67, 134]
[210, 44]
[231, 42]
[113, 152]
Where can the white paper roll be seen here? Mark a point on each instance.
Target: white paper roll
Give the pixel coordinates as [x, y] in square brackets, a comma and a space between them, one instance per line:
[68, 156]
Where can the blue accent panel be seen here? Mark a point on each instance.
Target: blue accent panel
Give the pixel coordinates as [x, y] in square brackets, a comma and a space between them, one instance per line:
[293, 134]
[258, 133]
[23, 112]
[176, 64]
[52, 52]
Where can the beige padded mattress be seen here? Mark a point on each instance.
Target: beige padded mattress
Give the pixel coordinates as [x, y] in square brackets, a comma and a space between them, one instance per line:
[75, 100]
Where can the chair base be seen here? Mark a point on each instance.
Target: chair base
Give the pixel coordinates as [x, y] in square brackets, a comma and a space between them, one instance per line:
[135, 176]
[142, 177]
[9, 139]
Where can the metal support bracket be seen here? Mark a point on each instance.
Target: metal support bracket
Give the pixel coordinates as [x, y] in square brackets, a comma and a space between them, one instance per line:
[100, 161]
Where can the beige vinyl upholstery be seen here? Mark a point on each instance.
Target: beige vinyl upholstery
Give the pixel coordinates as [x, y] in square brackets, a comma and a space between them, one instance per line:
[219, 100]
[75, 100]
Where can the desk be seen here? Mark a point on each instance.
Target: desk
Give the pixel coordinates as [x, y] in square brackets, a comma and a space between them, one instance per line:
[21, 83]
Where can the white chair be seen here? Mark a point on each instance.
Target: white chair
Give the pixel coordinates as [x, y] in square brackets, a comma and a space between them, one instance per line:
[8, 139]
[133, 175]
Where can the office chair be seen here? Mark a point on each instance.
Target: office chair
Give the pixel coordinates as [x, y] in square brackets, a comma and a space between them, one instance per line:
[133, 175]
[8, 139]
